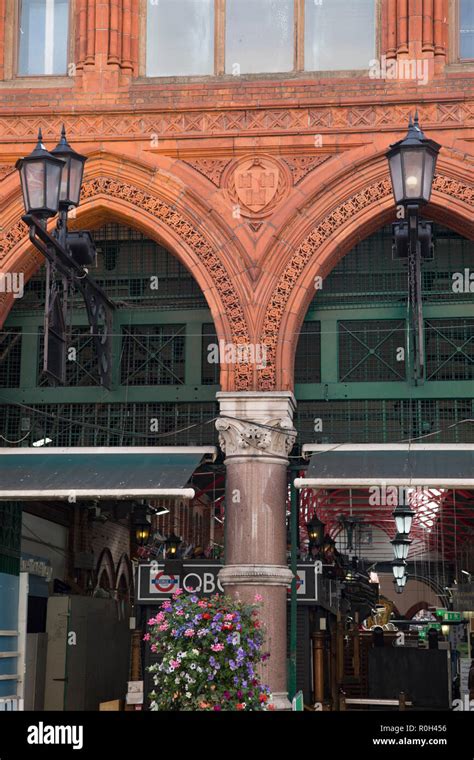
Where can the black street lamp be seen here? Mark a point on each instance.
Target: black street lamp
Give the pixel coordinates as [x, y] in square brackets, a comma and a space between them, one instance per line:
[171, 545]
[403, 515]
[141, 525]
[73, 172]
[401, 582]
[315, 528]
[399, 568]
[401, 544]
[41, 178]
[412, 164]
[51, 183]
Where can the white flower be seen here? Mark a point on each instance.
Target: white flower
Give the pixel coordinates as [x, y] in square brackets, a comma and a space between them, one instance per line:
[193, 666]
[195, 651]
[199, 669]
[188, 695]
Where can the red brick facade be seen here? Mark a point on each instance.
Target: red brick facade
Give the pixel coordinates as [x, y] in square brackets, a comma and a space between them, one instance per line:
[167, 157]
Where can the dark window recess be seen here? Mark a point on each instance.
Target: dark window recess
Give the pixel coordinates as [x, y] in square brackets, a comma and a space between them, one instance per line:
[10, 357]
[153, 355]
[210, 371]
[371, 351]
[308, 354]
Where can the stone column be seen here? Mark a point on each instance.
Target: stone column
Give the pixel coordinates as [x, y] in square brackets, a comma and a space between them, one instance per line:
[256, 435]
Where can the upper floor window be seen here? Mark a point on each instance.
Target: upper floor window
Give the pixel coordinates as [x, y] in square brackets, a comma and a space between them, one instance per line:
[466, 29]
[339, 34]
[43, 37]
[196, 37]
[259, 36]
[180, 38]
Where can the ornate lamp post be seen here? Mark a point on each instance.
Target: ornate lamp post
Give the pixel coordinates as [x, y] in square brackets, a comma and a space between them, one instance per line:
[403, 515]
[51, 184]
[316, 531]
[401, 544]
[412, 163]
[171, 545]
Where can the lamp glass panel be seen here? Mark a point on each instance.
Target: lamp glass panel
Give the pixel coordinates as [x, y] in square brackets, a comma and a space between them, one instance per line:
[35, 183]
[53, 185]
[75, 180]
[413, 172]
[428, 176]
[64, 191]
[395, 164]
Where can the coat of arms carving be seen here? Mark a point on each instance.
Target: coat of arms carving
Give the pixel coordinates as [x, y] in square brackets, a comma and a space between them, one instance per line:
[256, 185]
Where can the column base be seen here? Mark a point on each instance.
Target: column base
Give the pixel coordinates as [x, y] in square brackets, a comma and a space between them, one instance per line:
[281, 702]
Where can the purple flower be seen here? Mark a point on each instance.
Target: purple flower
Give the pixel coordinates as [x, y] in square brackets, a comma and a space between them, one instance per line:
[194, 598]
[232, 665]
[226, 695]
[217, 708]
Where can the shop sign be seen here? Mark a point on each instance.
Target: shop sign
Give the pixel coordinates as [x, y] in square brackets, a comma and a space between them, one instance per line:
[154, 584]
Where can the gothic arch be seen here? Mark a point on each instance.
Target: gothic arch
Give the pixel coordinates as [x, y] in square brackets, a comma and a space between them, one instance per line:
[173, 222]
[352, 217]
[105, 564]
[125, 571]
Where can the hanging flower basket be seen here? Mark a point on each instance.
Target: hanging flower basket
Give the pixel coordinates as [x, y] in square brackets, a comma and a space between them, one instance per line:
[210, 651]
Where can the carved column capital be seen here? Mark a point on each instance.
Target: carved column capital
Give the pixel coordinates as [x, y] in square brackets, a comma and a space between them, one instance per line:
[256, 424]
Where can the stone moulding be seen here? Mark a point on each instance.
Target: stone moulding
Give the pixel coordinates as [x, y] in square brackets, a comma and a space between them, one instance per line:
[255, 575]
[245, 438]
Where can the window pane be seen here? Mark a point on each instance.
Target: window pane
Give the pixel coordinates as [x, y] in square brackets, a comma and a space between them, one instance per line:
[339, 34]
[43, 33]
[466, 31]
[180, 38]
[259, 36]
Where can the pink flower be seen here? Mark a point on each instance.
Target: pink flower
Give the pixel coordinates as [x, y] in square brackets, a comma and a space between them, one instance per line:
[189, 632]
[146, 637]
[202, 603]
[160, 617]
[163, 627]
[177, 593]
[180, 612]
[154, 648]
[175, 663]
[228, 617]
[151, 621]
[258, 598]
[217, 647]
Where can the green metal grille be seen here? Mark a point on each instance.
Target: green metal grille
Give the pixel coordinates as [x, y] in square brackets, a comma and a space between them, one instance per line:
[81, 363]
[10, 357]
[308, 354]
[449, 349]
[371, 351]
[153, 355]
[135, 272]
[368, 276]
[133, 424]
[210, 371]
[384, 421]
